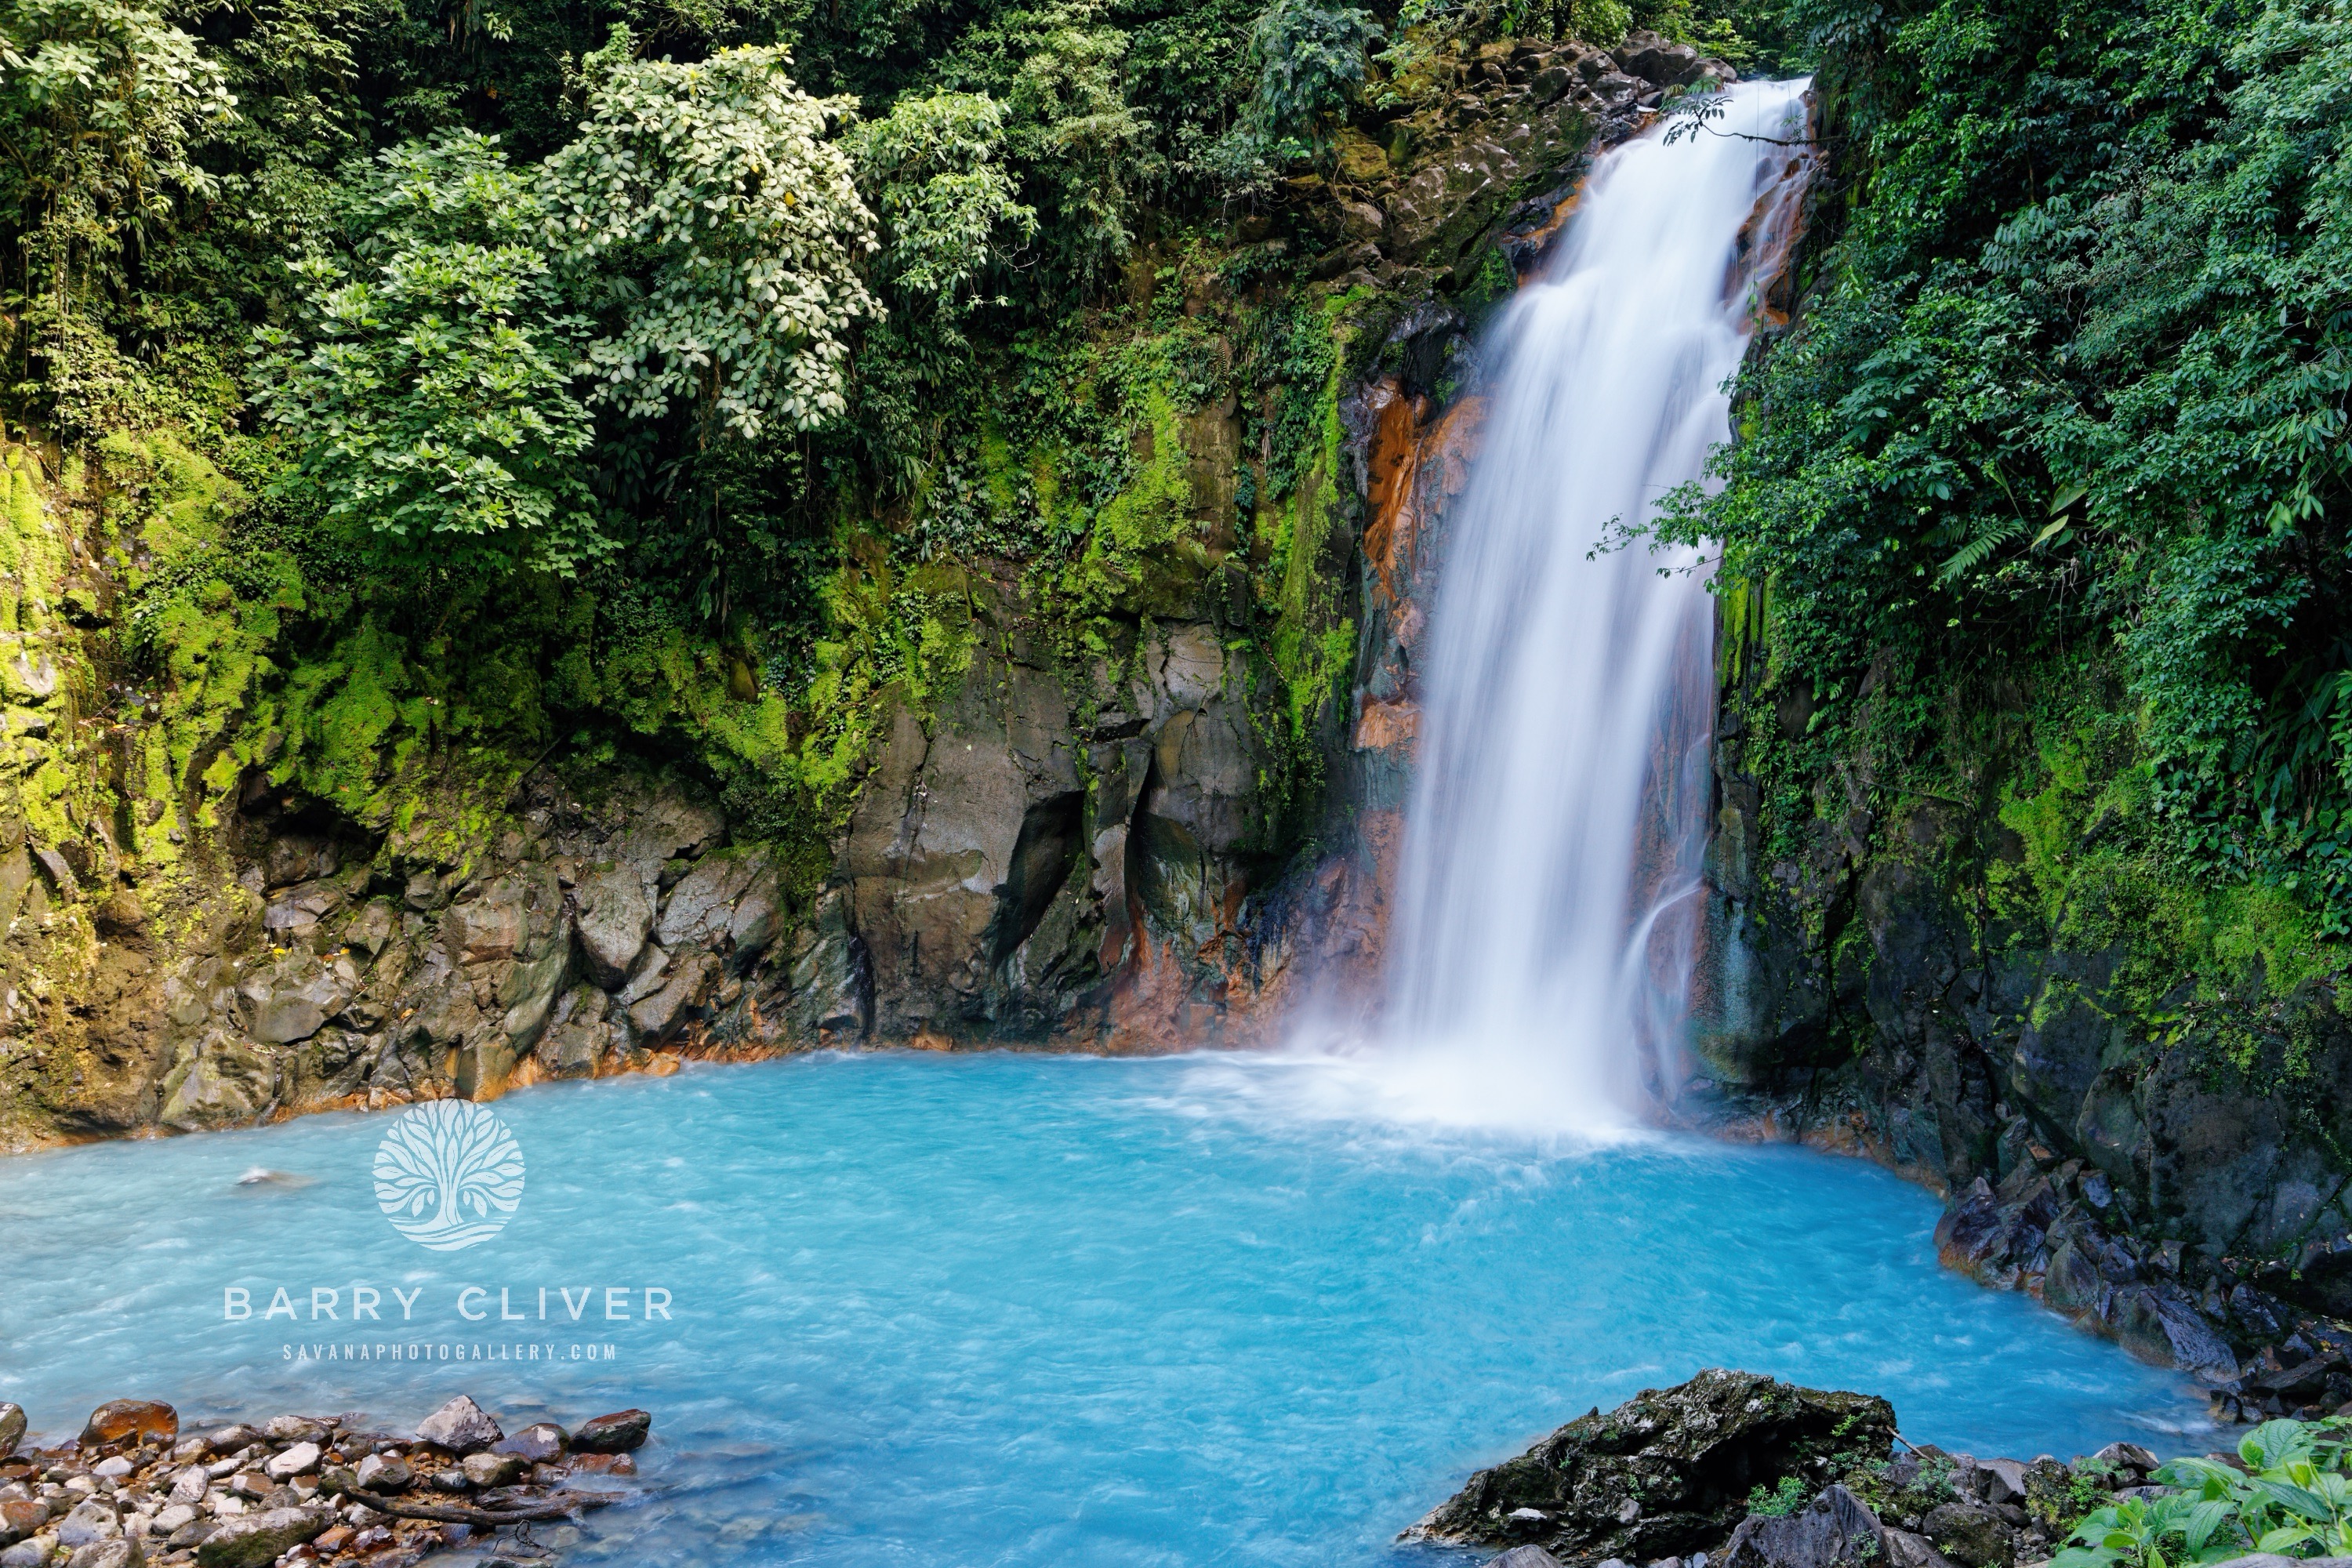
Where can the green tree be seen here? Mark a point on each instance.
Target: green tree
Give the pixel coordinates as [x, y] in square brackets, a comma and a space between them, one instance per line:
[716, 232]
[1310, 58]
[947, 202]
[426, 379]
[102, 106]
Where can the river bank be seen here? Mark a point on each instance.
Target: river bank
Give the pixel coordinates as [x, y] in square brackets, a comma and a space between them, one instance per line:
[131, 1488]
[2055, 1226]
[1731, 1469]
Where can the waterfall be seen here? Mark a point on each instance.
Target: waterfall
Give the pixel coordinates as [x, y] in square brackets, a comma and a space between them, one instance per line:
[1547, 910]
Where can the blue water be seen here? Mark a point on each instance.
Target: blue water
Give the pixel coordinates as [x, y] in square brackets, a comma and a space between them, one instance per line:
[1026, 1311]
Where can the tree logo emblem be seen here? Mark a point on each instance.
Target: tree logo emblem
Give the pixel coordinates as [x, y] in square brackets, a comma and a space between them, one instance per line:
[448, 1174]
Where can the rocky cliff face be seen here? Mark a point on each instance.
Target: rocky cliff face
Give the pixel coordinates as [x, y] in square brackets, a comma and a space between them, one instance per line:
[1074, 851]
[2159, 1155]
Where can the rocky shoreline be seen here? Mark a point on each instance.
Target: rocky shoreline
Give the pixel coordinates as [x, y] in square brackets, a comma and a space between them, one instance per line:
[2059, 1228]
[1733, 1469]
[131, 1491]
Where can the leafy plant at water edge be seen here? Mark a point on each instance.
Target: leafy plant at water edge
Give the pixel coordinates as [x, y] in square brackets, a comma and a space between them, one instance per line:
[2294, 1497]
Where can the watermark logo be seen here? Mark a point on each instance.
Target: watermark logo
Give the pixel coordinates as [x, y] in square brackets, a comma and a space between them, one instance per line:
[448, 1174]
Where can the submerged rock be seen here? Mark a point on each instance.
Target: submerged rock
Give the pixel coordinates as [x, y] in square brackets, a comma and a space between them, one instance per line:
[614, 1433]
[1667, 1473]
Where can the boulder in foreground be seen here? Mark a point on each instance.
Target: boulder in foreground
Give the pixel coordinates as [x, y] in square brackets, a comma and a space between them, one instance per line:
[130, 1421]
[1667, 1473]
[461, 1427]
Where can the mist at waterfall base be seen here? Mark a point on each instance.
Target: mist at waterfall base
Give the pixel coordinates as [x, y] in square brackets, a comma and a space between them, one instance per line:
[1547, 903]
[1021, 1310]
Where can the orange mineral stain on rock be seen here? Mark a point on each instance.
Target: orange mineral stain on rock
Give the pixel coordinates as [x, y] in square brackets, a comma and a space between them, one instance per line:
[1763, 263]
[1388, 727]
[1537, 242]
[1412, 472]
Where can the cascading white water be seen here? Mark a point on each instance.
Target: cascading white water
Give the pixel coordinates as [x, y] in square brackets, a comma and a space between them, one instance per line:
[1545, 917]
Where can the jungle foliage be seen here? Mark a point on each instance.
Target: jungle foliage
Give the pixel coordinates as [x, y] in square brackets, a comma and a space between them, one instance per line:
[660, 373]
[2068, 394]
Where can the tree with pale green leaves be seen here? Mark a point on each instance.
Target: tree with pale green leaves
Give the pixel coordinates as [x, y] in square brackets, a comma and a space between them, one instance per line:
[713, 196]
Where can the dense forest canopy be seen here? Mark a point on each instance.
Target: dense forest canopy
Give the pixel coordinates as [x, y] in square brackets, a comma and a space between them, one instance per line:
[546, 352]
[2063, 432]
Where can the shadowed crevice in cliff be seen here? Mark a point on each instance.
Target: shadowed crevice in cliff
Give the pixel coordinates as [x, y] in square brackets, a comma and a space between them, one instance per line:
[1052, 833]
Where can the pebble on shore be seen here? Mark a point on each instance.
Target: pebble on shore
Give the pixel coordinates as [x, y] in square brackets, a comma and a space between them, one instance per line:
[131, 1492]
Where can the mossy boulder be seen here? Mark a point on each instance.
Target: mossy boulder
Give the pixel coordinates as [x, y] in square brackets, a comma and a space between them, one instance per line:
[1668, 1472]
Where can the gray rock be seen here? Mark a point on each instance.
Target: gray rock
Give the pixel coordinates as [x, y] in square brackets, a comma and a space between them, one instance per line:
[299, 1460]
[2123, 1456]
[257, 1540]
[295, 1430]
[1524, 1557]
[831, 977]
[754, 922]
[1835, 1531]
[1971, 1534]
[660, 1014]
[119, 1553]
[375, 926]
[292, 998]
[223, 1081]
[702, 905]
[12, 1427]
[2008, 1478]
[494, 1470]
[461, 1427]
[89, 1521]
[528, 995]
[382, 1473]
[585, 1030]
[38, 1552]
[1653, 58]
[191, 1484]
[616, 916]
[1905, 1550]
[113, 1468]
